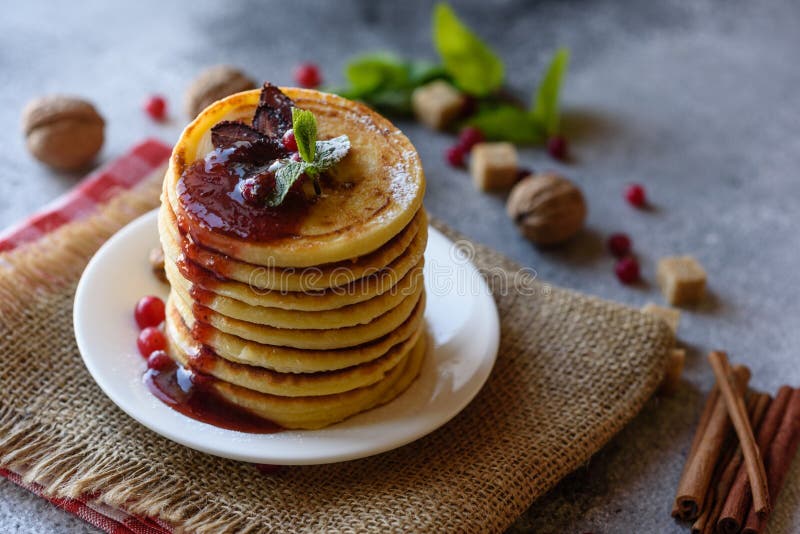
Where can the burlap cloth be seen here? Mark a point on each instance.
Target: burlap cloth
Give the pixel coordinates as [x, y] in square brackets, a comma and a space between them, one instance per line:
[572, 370]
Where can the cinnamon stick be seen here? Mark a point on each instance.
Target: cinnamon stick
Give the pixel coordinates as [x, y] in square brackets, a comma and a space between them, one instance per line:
[693, 488]
[734, 401]
[705, 416]
[706, 523]
[737, 504]
[779, 457]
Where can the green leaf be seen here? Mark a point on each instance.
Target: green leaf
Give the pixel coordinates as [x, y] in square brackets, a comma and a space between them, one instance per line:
[508, 123]
[375, 71]
[474, 67]
[331, 151]
[327, 154]
[545, 105]
[304, 125]
[285, 177]
[422, 72]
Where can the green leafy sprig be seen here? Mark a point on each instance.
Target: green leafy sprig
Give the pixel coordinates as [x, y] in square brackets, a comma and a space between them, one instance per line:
[317, 156]
[507, 122]
[386, 82]
[475, 69]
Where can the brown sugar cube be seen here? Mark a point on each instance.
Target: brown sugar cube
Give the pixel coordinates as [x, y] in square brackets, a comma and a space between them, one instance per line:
[671, 316]
[437, 104]
[677, 359]
[682, 279]
[493, 166]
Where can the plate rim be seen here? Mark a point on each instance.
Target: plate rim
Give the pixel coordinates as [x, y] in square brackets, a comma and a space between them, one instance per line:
[492, 343]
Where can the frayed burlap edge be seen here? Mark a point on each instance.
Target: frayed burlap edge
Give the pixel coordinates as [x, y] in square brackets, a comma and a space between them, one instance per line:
[68, 466]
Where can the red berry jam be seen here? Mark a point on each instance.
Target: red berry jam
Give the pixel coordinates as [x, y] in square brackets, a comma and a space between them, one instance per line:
[627, 270]
[149, 311]
[557, 147]
[159, 360]
[469, 137]
[455, 155]
[192, 394]
[150, 340]
[619, 245]
[307, 75]
[635, 195]
[156, 107]
[289, 141]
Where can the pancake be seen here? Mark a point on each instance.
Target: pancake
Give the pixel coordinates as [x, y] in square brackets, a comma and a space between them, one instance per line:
[301, 338]
[377, 190]
[187, 352]
[351, 315]
[291, 360]
[409, 243]
[320, 411]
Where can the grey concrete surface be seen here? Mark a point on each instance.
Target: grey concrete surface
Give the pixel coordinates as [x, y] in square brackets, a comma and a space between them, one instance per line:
[696, 100]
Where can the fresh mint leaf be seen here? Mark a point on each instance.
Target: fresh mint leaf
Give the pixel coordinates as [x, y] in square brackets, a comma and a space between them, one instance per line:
[328, 153]
[372, 72]
[421, 72]
[331, 151]
[385, 81]
[545, 105]
[508, 123]
[304, 125]
[285, 177]
[471, 63]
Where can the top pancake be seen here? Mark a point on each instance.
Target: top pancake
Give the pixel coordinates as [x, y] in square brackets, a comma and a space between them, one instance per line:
[374, 192]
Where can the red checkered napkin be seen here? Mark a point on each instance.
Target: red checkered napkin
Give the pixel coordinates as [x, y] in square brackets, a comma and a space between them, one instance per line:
[96, 189]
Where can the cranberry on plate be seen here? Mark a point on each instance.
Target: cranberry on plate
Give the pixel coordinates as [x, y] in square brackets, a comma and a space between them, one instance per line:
[149, 311]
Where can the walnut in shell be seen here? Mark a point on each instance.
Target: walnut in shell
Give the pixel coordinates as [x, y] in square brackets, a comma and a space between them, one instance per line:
[63, 132]
[213, 84]
[547, 208]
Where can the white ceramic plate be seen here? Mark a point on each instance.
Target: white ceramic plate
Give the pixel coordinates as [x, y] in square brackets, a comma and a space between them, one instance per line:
[463, 331]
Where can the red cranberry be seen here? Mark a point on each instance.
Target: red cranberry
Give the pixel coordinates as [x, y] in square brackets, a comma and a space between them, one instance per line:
[159, 360]
[557, 147]
[619, 245]
[627, 270]
[156, 107]
[308, 75]
[455, 155]
[635, 195]
[149, 311]
[469, 137]
[255, 188]
[151, 339]
[289, 142]
[295, 156]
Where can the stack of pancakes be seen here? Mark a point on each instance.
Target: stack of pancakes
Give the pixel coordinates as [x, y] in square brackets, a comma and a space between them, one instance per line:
[310, 328]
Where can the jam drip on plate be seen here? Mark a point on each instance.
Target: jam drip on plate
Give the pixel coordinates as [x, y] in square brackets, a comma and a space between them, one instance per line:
[191, 394]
